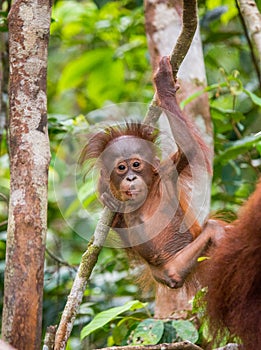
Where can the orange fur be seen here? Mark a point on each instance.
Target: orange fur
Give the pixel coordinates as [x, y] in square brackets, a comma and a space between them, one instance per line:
[234, 278]
[152, 198]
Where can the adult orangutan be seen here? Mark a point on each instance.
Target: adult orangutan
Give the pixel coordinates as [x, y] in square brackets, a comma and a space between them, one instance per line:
[234, 278]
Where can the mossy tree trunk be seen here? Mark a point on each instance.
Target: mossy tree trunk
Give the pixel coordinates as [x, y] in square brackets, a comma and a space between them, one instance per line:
[29, 23]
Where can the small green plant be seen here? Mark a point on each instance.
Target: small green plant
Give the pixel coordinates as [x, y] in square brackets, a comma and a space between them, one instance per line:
[128, 324]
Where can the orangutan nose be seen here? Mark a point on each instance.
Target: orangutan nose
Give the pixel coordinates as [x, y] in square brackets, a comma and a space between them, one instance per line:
[131, 178]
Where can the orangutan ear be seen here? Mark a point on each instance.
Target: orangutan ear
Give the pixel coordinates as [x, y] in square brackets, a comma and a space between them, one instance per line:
[156, 165]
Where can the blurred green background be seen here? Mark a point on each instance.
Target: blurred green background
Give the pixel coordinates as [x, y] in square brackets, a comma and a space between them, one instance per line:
[98, 55]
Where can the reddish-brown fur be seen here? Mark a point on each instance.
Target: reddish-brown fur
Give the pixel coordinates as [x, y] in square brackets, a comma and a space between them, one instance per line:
[99, 141]
[153, 197]
[169, 241]
[234, 278]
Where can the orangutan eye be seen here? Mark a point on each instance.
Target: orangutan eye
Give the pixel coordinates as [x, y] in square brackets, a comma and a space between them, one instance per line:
[136, 164]
[121, 167]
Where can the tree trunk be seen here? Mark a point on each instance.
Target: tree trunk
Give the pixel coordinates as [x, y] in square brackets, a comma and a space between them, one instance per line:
[252, 19]
[163, 25]
[4, 72]
[29, 23]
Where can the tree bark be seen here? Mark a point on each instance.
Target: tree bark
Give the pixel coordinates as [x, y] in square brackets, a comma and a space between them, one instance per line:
[252, 19]
[4, 72]
[163, 25]
[29, 23]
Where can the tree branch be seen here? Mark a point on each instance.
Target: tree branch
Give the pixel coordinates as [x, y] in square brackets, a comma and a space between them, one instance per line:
[58, 260]
[88, 261]
[185, 38]
[3, 223]
[49, 337]
[185, 345]
[179, 52]
[251, 22]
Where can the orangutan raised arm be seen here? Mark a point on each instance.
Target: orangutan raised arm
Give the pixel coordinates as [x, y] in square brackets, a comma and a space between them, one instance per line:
[144, 191]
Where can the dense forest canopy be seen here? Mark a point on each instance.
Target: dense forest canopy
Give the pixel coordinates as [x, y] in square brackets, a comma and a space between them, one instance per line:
[98, 56]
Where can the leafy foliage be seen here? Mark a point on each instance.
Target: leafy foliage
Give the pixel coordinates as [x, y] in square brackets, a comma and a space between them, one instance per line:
[102, 55]
[136, 329]
[147, 332]
[98, 54]
[105, 317]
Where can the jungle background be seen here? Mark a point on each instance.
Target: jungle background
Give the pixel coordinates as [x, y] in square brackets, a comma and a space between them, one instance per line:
[98, 55]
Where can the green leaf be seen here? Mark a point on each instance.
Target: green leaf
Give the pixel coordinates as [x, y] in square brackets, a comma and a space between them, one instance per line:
[226, 114]
[256, 100]
[121, 332]
[170, 334]
[258, 147]
[201, 92]
[148, 332]
[237, 148]
[97, 70]
[76, 71]
[185, 330]
[72, 208]
[86, 190]
[120, 51]
[244, 190]
[107, 316]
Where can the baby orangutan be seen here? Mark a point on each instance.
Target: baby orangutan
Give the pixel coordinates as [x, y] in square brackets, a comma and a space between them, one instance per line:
[143, 191]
